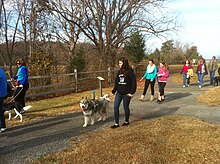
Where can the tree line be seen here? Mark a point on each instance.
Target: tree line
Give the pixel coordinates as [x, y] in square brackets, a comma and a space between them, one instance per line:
[50, 34]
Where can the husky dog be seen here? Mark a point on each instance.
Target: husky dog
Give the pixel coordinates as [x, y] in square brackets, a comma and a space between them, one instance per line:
[92, 107]
[9, 104]
[9, 107]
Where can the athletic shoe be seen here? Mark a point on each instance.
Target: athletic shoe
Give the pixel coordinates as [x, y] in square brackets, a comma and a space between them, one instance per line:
[2, 130]
[159, 101]
[115, 126]
[125, 123]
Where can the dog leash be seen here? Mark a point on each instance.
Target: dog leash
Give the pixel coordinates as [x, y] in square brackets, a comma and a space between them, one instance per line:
[14, 96]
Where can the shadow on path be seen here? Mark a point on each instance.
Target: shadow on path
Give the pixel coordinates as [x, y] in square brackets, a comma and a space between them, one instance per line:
[174, 96]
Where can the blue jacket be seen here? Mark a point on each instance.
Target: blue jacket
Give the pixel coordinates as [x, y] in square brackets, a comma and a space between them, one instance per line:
[22, 75]
[3, 83]
[151, 76]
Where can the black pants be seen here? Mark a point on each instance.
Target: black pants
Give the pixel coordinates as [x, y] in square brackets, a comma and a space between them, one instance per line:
[19, 97]
[161, 86]
[2, 117]
[147, 82]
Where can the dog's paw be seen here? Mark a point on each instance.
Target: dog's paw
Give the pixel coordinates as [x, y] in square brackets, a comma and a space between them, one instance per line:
[85, 125]
[92, 123]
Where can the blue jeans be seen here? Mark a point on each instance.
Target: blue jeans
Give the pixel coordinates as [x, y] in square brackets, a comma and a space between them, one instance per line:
[2, 117]
[212, 74]
[200, 78]
[126, 101]
[186, 80]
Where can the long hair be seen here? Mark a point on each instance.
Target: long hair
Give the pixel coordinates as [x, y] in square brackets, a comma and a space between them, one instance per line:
[188, 61]
[21, 61]
[125, 66]
[166, 67]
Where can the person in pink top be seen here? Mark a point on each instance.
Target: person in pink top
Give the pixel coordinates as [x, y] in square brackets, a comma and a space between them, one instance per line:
[162, 76]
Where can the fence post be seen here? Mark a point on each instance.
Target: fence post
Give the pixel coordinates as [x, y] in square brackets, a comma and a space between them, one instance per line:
[109, 76]
[76, 79]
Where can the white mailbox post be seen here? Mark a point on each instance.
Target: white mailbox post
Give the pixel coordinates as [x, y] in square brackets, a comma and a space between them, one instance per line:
[100, 84]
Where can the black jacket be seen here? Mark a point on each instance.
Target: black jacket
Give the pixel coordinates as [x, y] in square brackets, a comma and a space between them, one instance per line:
[125, 83]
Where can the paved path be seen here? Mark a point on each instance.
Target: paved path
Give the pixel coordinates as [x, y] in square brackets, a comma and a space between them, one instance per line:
[21, 144]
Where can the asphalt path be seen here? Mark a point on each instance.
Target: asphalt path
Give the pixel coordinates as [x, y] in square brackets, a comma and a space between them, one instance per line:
[22, 144]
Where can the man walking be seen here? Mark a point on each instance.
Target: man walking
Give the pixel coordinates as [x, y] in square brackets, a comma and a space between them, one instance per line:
[212, 66]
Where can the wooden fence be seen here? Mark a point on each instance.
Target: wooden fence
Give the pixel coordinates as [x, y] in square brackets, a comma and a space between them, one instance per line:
[60, 84]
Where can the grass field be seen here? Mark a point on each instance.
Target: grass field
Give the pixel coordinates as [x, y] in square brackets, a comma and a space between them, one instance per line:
[170, 139]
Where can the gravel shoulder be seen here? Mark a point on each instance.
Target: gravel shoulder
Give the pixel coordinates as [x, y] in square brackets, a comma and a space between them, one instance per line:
[21, 144]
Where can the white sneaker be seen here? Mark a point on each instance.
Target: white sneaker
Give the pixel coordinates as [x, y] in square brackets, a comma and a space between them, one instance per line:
[27, 107]
[200, 86]
[151, 98]
[142, 98]
[184, 86]
[188, 85]
[3, 129]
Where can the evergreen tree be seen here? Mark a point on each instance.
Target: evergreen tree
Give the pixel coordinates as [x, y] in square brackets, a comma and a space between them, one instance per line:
[78, 61]
[135, 47]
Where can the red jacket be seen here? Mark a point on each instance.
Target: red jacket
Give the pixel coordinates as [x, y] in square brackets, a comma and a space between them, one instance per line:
[185, 68]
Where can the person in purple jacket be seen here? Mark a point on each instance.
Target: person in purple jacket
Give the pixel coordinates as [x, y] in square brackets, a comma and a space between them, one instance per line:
[162, 75]
[22, 85]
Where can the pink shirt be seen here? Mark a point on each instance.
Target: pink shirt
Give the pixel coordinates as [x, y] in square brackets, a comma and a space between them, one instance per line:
[165, 75]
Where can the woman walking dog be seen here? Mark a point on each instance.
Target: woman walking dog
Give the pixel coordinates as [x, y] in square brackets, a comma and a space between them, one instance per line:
[22, 85]
[125, 86]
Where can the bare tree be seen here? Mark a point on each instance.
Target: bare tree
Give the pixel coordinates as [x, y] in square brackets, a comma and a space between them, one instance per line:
[9, 30]
[107, 23]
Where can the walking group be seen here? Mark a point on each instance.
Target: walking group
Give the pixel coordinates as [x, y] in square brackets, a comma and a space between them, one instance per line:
[152, 75]
[125, 86]
[201, 71]
[125, 82]
[21, 84]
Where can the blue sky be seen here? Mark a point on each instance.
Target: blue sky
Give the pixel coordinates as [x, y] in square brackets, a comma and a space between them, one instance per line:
[201, 24]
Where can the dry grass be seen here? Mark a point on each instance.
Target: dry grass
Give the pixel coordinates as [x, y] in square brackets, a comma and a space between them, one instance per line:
[210, 97]
[171, 139]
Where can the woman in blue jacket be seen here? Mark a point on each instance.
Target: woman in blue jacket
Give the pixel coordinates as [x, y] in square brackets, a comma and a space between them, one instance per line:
[22, 85]
[149, 76]
[3, 93]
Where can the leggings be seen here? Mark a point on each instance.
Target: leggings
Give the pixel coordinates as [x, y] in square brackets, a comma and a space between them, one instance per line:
[19, 97]
[147, 82]
[161, 86]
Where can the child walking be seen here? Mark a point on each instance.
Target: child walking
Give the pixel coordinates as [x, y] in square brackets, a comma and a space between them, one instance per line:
[162, 75]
